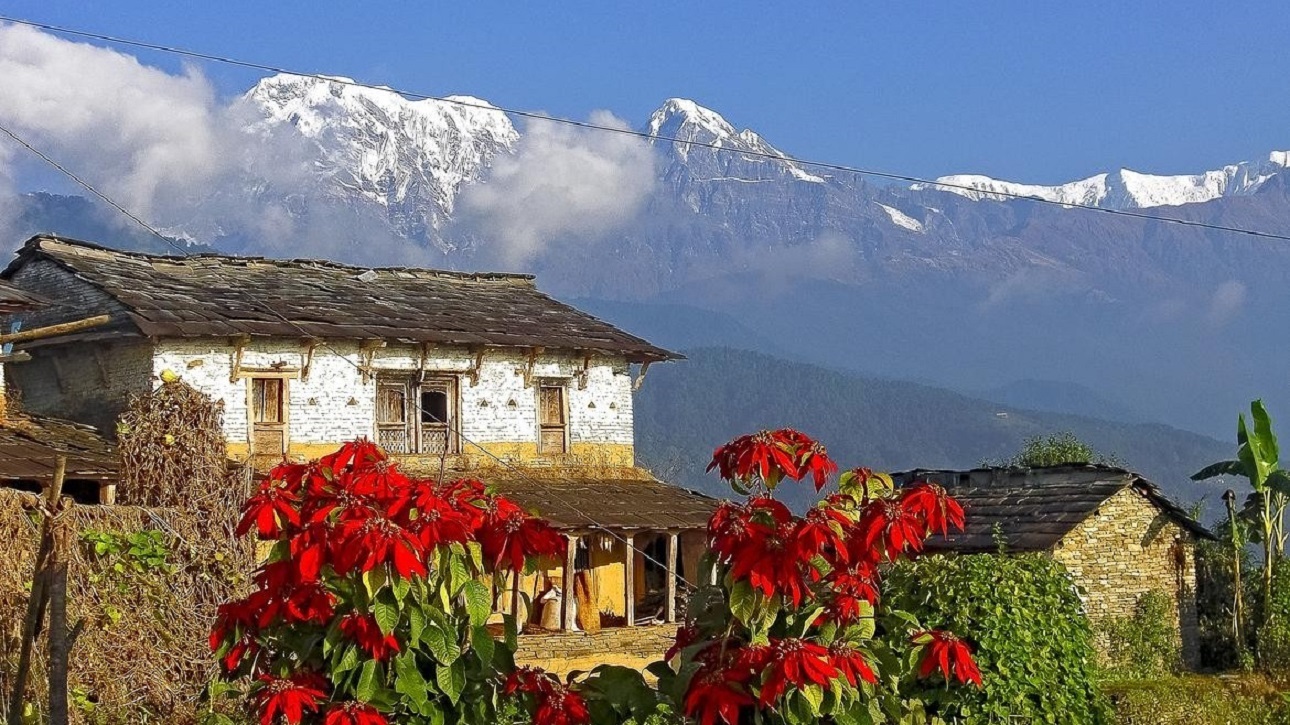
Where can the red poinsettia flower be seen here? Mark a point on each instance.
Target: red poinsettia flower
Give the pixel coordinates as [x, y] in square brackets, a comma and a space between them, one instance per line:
[765, 454]
[770, 563]
[852, 663]
[812, 458]
[235, 628]
[272, 510]
[718, 692]
[822, 532]
[796, 662]
[949, 654]
[370, 539]
[936, 507]
[439, 521]
[363, 630]
[731, 526]
[530, 681]
[886, 527]
[848, 589]
[360, 454]
[290, 696]
[509, 536]
[561, 706]
[353, 713]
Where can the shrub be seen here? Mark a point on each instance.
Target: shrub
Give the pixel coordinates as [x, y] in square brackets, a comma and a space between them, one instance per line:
[1145, 644]
[1274, 635]
[1034, 644]
[1190, 699]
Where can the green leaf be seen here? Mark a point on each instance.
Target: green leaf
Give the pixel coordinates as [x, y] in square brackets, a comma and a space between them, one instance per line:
[451, 680]
[1222, 468]
[348, 660]
[373, 580]
[478, 604]
[386, 612]
[368, 682]
[743, 601]
[458, 574]
[408, 679]
[483, 644]
[442, 645]
[416, 622]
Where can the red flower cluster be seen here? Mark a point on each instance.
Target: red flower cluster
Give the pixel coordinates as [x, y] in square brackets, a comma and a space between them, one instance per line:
[335, 520]
[948, 654]
[555, 704]
[353, 713]
[289, 697]
[772, 456]
[827, 561]
[363, 630]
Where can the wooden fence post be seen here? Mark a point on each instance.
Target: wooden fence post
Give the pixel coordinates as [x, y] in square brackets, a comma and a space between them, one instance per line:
[39, 593]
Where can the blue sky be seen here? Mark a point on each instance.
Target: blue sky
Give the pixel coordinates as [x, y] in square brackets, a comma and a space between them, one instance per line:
[1031, 91]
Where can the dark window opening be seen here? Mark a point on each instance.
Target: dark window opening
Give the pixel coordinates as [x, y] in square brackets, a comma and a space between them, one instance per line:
[434, 406]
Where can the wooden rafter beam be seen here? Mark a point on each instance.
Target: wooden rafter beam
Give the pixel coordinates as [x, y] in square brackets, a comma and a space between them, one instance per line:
[62, 328]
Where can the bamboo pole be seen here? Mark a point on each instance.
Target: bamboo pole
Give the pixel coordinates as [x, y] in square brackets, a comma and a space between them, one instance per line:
[36, 603]
[59, 641]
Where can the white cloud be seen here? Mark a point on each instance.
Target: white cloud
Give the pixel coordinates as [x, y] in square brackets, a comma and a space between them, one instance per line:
[146, 131]
[561, 184]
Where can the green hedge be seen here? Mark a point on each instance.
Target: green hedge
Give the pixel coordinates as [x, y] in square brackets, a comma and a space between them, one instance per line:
[1199, 700]
[1034, 645]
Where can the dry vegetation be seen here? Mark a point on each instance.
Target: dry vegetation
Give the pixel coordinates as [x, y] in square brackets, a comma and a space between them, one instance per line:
[143, 655]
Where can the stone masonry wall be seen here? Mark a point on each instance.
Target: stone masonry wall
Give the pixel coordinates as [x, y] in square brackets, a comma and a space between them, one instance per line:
[86, 384]
[563, 652]
[336, 403]
[1125, 549]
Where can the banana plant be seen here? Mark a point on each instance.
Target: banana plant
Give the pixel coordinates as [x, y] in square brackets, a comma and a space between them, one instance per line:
[1258, 460]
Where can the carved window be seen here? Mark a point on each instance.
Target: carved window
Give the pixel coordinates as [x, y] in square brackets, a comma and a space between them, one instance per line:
[416, 417]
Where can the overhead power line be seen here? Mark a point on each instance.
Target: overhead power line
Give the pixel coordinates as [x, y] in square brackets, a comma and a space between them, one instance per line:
[842, 168]
[590, 520]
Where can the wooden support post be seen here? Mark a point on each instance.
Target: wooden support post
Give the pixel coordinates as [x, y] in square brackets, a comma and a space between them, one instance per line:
[671, 576]
[629, 581]
[515, 601]
[39, 591]
[107, 493]
[59, 638]
[568, 600]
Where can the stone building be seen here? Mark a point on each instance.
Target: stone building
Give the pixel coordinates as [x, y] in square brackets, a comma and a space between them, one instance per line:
[1117, 534]
[477, 375]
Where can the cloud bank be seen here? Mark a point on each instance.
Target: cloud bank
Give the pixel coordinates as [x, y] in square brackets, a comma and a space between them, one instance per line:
[562, 185]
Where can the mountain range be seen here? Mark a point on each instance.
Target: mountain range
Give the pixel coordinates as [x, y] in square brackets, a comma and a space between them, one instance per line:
[944, 282]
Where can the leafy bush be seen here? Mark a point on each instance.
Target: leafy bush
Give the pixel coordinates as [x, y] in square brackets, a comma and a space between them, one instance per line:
[1215, 597]
[1274, 635]
[1194, 699]
[1145, 644]
[1034, 644]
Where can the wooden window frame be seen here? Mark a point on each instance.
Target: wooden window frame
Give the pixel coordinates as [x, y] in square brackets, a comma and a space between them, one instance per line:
[413, 390]
[563, 385]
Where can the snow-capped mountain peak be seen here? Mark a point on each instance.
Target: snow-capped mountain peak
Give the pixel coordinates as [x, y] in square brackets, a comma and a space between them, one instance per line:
[1126, 189]
[707, 131]
[411, 157]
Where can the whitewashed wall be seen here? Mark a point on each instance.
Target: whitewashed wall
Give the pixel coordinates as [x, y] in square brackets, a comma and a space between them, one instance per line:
[334, 403]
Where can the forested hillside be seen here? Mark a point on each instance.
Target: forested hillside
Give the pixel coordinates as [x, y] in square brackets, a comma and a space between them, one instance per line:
[686, 409]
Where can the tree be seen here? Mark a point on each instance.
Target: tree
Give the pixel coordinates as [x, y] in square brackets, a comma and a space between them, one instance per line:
[1258, 460]
[1056, 449]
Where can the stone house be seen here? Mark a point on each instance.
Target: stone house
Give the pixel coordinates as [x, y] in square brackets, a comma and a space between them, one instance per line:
[478, 375]
[1117, 534]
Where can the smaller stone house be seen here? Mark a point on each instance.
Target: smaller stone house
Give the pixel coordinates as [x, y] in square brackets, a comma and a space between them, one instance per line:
[1116, 533]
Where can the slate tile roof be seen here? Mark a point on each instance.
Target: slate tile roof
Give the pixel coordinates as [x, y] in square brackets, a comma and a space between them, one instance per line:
[611, 497]
[13, 299]
[1035, 507]
[208, 295]
[30, 444]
